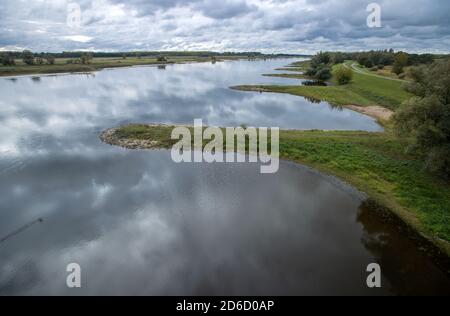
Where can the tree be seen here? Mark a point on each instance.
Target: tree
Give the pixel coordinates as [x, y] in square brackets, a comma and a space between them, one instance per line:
[343, 75]
[321, 58]
[6, 59]
[50, 59]
[323, 73]
[401, 61]
[161, 59]
[320, 66]
[39, 60]
[364, 60]
[426, 117]
[124, 56]
[86, 58]
[338, 58]
[28, 57]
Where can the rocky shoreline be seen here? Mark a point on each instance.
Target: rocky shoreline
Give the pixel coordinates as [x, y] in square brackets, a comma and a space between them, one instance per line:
[110, 137]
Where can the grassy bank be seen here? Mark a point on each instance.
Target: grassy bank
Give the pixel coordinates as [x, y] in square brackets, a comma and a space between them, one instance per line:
[375, 163]
[364, 90]
[61, 65]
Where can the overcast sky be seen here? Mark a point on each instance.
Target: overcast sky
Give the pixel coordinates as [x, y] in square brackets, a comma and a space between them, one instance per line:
[290, 26]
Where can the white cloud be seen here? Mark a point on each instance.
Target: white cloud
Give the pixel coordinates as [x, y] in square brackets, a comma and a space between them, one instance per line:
[78, 38]
[300, 26]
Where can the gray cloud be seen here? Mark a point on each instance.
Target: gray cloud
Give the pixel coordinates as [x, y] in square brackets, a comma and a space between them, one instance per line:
[297, 26]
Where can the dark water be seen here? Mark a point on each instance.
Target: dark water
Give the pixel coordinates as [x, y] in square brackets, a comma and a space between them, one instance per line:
[138, 223]
[315, 83]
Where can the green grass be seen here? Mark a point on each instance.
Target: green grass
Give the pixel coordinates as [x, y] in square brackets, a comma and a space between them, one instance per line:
[303, 65]
[378, 91]
[334, 95]
[162, 134]
[375, 163]
[364, 90]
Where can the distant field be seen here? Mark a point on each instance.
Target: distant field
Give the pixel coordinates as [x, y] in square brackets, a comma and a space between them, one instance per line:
[61, 65]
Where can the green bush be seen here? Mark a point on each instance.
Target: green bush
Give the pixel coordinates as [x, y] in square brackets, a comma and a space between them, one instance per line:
[320, 67]
[6, 59]
[401, 61]
[28, 57]
[343, 75]
[50, 59]
[323, 73]
[426, 117]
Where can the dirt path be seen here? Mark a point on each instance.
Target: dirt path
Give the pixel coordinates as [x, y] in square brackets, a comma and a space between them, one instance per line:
[357, 70]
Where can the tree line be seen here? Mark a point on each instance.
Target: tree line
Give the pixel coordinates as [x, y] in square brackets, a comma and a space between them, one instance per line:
[28, 58]
[139, 54]
[321, 64]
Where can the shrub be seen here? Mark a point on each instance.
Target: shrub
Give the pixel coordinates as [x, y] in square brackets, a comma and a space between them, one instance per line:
[161, 59]
[323, 73]
[343, 75]
[6, 59]
[50, 59]
[320, 67]
[28, 57]
[426, 117]
[86, 58]
[401, 61]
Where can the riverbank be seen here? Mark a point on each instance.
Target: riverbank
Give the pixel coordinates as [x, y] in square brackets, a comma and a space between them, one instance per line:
[62, 66]
[374, 163]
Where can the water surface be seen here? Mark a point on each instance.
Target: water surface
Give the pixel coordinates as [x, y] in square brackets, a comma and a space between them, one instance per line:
[179, 94]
